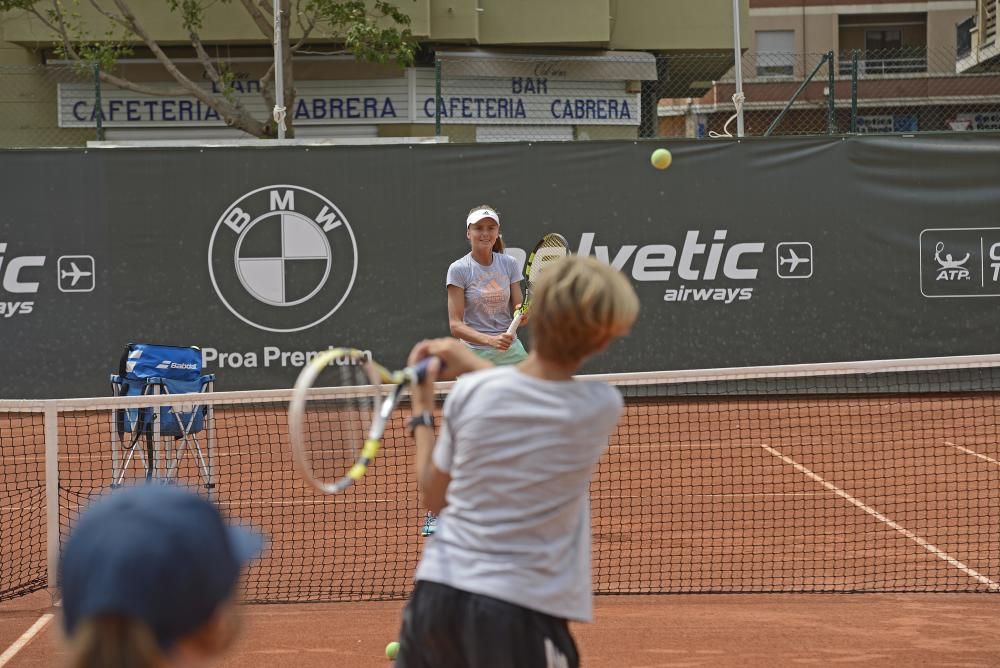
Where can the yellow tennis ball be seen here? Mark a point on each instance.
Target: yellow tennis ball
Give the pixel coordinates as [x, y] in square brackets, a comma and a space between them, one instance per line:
[661, 158]
[391, 650]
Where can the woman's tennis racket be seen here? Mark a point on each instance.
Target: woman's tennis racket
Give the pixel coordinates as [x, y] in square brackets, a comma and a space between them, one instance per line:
[551, 248]
[340, 406]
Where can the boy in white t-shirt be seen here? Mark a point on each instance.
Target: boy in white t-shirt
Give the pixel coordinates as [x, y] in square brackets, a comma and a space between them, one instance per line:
[510, 474]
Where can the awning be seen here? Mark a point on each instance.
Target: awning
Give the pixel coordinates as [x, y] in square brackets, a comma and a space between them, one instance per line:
[594, 66]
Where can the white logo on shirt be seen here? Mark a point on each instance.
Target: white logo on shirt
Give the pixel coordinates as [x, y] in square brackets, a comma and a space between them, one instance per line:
[553, 657]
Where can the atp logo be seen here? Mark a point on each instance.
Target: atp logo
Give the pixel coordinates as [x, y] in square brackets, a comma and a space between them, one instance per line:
[282, 258]
[949, 268]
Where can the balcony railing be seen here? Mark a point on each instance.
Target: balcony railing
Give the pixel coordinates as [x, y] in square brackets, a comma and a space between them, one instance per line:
[989, 22]
[909, 60]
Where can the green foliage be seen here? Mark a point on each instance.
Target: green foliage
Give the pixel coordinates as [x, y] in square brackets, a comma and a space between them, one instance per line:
[374, 30]
[192, 13]
[88, 51]
[227, 76]
[7, 5]
[378, 36]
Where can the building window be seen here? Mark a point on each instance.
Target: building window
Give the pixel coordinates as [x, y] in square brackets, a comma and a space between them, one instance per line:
[878, 40]
[775, 53]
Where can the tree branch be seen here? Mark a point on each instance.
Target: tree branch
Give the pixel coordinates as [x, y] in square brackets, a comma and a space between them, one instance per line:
[233, 114]
[263, 23]
[139, 88]
[204, 58]
[114, 18]
[306, 31]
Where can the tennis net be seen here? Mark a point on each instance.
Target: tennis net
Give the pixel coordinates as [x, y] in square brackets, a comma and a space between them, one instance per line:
[869, 476]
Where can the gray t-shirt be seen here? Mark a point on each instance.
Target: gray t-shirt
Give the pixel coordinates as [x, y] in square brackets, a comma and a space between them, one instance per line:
[487, 291]
[520, 452]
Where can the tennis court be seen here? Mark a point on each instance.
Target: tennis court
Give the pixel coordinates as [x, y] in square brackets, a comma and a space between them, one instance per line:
[788, 486]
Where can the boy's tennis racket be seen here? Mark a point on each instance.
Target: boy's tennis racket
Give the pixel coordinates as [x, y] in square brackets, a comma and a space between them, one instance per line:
[552, 247]
[340, 406]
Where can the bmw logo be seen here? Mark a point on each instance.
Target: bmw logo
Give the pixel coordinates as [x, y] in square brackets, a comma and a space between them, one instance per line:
[282, 258]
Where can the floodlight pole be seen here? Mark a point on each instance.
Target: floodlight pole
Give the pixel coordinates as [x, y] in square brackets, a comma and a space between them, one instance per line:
[738, 57]
[279, 73]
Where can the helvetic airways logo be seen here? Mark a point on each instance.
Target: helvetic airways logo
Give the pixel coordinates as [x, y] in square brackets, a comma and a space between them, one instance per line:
[282, 258]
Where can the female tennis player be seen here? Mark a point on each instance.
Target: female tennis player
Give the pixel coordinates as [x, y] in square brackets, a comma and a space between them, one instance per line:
[509, 474]
[484, 288]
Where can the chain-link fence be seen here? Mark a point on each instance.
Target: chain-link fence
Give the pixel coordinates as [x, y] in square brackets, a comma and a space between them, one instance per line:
[32, 113]
[472, 97]
[905, 90]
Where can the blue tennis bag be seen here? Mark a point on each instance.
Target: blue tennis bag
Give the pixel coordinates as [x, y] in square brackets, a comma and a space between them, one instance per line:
[176, 370]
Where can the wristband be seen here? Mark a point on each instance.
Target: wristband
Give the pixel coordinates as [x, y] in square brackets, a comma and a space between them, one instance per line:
[425, 419]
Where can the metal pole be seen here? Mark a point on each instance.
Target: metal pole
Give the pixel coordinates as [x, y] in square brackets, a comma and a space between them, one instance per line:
[97, 101]
[279, 73]
[738, 58]
[831, 121]
[854, 91]
[795, 96]
[51, 430]
[437, 97]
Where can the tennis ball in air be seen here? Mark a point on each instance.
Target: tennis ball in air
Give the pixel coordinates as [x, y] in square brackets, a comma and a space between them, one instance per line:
[661, 158]
[391, 650]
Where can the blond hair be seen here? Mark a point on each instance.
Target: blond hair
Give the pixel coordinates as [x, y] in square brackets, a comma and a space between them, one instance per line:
[114, 641]
[498, 245]
[579, 305]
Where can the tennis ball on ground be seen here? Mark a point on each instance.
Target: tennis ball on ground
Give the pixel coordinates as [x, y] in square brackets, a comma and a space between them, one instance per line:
[391, 650]
[661, 158]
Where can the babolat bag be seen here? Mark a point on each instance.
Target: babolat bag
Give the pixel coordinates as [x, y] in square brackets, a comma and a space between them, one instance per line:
[146, 368]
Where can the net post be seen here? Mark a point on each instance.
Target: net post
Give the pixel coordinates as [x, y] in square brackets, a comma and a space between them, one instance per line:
[158, 455]
[210, 441]
[116, 440]
[51, 427]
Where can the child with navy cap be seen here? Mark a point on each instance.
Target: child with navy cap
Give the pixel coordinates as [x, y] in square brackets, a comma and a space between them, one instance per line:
[148, 578]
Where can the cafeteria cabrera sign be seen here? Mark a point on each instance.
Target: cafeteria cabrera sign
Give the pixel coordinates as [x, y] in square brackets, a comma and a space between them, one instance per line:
[511, 100]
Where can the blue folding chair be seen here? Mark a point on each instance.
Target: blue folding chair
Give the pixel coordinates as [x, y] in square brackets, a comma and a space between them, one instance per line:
[150, 370]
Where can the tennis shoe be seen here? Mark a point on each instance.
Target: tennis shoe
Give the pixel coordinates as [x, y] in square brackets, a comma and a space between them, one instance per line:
[430, 525]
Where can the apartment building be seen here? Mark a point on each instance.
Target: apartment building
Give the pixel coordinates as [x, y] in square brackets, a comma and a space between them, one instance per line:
[976, 38]
[849, 66]
[500, 69]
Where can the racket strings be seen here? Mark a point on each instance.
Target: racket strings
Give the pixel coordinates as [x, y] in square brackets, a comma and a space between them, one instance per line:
[335, 427]
[552, 249]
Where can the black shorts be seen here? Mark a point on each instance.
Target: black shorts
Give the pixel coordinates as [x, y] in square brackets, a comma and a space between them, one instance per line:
[444, 627]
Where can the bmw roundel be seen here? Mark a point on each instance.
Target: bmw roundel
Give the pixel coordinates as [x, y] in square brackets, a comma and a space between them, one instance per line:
[282, 258]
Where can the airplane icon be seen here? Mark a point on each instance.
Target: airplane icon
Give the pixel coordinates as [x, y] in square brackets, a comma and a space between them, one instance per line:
[794, 260]
[74, 273]
[791, 254]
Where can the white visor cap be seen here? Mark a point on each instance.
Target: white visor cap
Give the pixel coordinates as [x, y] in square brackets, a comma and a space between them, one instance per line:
[479, 214]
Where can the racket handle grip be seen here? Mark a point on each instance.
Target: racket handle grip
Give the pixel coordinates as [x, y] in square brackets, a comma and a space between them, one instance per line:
[420, 368]
[515, 322]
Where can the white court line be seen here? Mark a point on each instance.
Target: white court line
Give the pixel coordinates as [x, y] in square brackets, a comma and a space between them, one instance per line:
[745, 495]
[25, 638]
[677, 446]
[973, 453]
[70, 458]
[940, 554]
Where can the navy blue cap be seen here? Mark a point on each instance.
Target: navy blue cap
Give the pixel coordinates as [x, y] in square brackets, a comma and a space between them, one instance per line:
[157, 553]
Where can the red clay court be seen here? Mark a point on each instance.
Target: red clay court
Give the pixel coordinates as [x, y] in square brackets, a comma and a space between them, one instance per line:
[731, 517]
